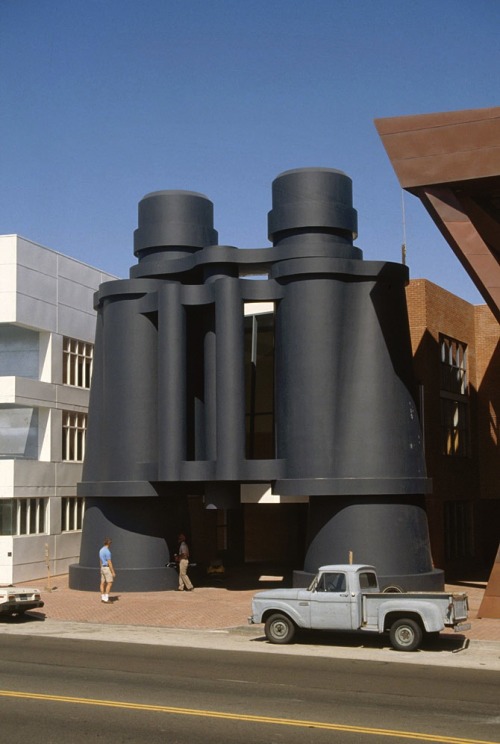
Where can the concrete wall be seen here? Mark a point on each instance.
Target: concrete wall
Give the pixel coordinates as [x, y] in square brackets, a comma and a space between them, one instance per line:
[44, 296]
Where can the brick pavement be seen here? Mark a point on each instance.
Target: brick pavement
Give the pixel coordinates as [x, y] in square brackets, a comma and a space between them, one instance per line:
[206, 608]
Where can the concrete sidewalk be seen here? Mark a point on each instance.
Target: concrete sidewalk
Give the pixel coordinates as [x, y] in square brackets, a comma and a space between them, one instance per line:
[216, 607]
[214, 615]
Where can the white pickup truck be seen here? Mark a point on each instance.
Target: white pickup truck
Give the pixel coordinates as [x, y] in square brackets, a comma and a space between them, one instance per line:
[347, 597]
[16, 600]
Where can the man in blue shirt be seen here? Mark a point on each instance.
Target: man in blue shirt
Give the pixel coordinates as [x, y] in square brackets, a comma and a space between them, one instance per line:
[107, 570]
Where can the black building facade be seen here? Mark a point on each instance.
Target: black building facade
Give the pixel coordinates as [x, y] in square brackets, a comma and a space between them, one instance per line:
[173, 400]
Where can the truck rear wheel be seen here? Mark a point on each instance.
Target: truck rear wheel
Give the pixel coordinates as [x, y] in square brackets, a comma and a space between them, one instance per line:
[405, 635]
[279, 629]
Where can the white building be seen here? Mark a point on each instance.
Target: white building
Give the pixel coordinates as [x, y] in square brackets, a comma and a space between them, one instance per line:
[47, 326]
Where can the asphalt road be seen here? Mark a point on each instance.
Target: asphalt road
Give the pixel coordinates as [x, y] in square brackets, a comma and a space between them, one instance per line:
[66, 690]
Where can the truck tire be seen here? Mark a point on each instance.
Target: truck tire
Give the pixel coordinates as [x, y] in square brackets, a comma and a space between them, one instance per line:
[279, 629]
[405, 635]
[392, 589]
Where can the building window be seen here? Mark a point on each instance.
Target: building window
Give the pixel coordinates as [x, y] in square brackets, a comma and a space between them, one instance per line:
[6, 506]
[73, 440]
[77, 362]
[459, 530]
[455, 437]
[18, 432]
[453, 365]
[259, 386]
[23, 516]
[19, 352]
[72, 508]
[454, 427]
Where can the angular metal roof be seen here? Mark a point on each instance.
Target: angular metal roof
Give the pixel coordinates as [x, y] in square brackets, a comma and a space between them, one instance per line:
[451, 161]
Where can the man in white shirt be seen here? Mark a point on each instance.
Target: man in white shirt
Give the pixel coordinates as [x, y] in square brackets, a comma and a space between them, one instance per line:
[182, 558]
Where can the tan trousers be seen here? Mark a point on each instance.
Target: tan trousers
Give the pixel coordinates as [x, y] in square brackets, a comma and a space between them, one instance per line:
[184, 580]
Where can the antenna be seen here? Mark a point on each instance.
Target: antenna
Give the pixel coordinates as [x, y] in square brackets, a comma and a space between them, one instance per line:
[403, 216]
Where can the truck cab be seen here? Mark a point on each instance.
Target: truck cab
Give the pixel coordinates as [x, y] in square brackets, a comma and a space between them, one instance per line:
[335, 596]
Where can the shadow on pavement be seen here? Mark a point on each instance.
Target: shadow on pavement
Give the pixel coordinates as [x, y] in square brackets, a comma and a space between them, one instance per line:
[27, 617]
[248, 576]
[442, 643]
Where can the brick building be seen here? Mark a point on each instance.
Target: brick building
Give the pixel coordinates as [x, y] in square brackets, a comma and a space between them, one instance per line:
[457, 364]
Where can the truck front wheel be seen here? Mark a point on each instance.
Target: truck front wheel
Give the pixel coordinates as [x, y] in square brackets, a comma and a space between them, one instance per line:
[405, 635]
[279, 629]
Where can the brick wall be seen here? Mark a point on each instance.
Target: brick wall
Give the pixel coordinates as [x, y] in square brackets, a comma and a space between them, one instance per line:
[433, 310]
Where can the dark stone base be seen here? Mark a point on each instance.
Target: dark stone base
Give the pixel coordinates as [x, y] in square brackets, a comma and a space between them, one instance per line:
[127, 580]
[433, 581]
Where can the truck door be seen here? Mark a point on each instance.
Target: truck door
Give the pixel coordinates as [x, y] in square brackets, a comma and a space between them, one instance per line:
[330, 603]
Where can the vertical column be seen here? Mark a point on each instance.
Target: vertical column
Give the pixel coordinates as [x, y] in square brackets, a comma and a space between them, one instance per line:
[307, 367]
[129, 391]
[210, 354]
[95, 442]
[346, 419]
[230, 382]
[225, 267]
[171, 382]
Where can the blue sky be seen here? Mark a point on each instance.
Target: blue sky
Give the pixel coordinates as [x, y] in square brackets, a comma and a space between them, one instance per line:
[103, 101]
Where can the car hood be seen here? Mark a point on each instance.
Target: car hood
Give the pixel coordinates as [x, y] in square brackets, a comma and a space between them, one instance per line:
[281, 594]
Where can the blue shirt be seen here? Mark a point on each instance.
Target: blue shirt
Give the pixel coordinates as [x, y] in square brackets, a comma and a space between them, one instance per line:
[104, 555]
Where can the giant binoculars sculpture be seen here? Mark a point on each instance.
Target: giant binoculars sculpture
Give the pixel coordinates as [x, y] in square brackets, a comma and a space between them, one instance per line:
[167, 407]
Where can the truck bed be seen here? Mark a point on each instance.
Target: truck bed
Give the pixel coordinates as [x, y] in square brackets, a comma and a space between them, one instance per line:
[452, 606]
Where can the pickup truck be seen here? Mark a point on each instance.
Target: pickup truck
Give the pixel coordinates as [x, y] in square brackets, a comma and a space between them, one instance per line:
[347, 597]
[15, 600]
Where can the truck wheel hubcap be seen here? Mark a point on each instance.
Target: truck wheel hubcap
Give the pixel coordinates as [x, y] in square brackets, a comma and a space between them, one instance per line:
[405, 636]
[279, 629]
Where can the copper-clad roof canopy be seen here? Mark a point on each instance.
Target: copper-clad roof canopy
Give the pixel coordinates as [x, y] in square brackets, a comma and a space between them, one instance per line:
[451, 161]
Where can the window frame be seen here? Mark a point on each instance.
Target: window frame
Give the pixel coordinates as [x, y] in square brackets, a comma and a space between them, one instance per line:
[454, 398]
[74, 431]
[72, 512]
[29, 516]
[78, 361]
